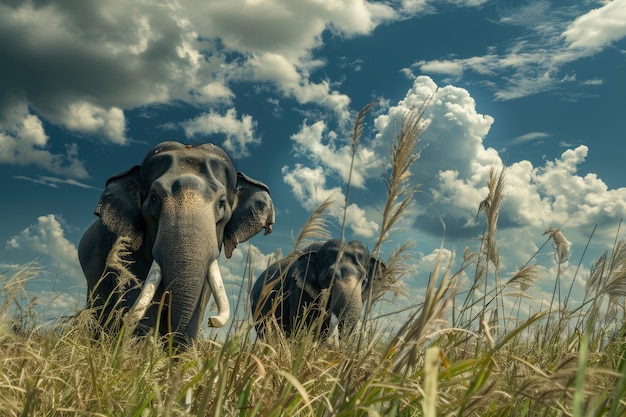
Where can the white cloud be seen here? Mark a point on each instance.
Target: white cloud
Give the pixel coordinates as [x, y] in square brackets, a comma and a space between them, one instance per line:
[416, 7]
[55, 304]
[23, 141]
[534, 63]
[579, 200]
[54, 283]
[326, 148]
[288, 28]
[454, 138]
[427, 263]
[239, 132]
[54, 182]
[309, 187]
[246, 262]
[528, 14]
[599, 27]
[216, 92]
[454, 168]
[102, 59]
[88, 118]
[449, 67]
[531, 136]
[293, 82]
[47, 239]
[593, 81]
[330, 157]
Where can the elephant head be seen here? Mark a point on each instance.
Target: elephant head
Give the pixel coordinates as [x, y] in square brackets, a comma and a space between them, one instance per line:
[310, 286]
[175, 211]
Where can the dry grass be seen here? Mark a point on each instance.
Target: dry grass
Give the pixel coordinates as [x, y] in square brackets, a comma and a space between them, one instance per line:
[452, 356]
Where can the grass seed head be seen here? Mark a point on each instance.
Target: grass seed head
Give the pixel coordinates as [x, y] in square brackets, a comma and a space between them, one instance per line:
[561, 245]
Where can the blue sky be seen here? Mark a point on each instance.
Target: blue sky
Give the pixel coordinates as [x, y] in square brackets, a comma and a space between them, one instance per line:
[89, 87]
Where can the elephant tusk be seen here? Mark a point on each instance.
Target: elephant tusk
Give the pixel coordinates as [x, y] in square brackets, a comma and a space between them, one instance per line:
[150, 285]
[334, 329]
[219, 294]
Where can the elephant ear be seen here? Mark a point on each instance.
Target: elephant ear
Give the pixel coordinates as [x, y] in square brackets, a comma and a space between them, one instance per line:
[303, 272]
[376, 271]
[254, 210]
[120, 206]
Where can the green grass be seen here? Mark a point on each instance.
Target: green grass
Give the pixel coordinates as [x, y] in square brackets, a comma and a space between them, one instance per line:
[458, 353]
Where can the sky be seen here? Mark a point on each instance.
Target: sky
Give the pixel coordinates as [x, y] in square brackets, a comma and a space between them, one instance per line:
[88, 87]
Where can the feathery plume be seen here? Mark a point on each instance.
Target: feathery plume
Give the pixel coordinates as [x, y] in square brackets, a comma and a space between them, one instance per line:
[316, 226]
[118, 260]
[403, 154]
[524, 278]
[560, 243]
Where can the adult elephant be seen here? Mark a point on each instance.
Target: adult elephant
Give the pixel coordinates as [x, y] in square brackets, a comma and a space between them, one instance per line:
[325, 279]
[174, 212]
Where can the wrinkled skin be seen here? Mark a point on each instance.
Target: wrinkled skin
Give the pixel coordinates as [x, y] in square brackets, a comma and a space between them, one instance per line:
[308, 287]
[175, 211]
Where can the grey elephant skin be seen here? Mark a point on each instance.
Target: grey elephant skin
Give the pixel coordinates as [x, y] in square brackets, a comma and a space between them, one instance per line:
[175, 211]
[309, 286]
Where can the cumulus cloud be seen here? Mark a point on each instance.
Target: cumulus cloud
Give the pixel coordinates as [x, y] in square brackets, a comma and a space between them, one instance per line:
[579, 199]
[103, 59]
[88, 118]
[288, 28]
[47, 239]
[330, 157]
[57, 305]
[239, 133]
[453, 140]
[454, 169]
[309, 187]
[598, 28]
[23, 141]
[453, 158]
[293, 82]
[325, 147]
[247, 261]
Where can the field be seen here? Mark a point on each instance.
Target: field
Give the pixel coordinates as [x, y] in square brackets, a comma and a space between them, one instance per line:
[457, 353]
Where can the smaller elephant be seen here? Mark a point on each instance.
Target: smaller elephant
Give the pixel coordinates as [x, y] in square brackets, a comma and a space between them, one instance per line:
[310, 286]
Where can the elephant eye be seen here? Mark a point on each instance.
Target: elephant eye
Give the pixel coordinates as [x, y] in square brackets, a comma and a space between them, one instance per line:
[220, 207]
[154, 203]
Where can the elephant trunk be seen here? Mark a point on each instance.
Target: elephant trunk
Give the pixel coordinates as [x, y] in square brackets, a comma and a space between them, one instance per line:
[186, 264]
[152, 282]
[186, 249]
[347, 304]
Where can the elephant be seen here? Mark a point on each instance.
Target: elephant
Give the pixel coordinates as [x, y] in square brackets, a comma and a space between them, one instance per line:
[174, 212]
[310, 286]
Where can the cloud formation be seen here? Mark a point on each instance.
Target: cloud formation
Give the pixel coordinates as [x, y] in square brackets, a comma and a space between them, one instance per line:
[54, 182]
[309, 186]
[239, 133]
[102, 59]
[535, 62]
[23, 141]
[454, 169]
[47, 239]
[598, 28]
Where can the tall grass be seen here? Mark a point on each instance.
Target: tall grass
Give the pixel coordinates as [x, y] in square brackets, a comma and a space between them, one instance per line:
[456, 354]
